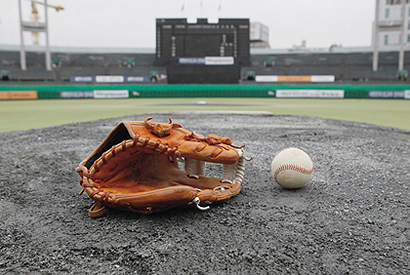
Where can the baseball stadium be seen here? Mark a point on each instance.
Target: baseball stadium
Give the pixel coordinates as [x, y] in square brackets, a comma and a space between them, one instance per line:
[179, 151]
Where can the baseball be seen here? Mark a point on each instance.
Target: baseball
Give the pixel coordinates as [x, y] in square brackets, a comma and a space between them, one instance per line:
[291, 168]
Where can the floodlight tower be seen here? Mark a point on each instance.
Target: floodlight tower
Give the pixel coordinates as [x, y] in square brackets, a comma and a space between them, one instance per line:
[403, 36]
[35, 27]
[376, 39]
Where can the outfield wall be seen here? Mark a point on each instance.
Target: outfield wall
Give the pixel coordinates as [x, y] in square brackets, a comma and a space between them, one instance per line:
[101, 91]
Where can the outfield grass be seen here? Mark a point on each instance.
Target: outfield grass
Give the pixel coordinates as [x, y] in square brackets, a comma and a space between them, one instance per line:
[28, 114]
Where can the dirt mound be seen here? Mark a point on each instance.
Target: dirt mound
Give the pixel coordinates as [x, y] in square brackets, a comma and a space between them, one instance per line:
[351, 218]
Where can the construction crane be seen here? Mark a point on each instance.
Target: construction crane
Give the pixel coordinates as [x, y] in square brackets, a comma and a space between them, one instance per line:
[36, 18]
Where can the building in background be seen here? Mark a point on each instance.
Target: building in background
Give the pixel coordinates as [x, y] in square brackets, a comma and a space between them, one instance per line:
[391, 28]
[259, 35]
[391, 15]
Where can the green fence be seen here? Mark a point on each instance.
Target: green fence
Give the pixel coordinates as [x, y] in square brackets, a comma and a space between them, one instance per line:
[50, 91]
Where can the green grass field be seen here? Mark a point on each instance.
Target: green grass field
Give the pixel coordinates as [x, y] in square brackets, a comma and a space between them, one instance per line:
[29, 114]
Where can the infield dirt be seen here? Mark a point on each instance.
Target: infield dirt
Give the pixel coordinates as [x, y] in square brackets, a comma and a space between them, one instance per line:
[351, 218]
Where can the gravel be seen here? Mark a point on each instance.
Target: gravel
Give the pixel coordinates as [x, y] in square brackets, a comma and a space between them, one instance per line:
[351, 218]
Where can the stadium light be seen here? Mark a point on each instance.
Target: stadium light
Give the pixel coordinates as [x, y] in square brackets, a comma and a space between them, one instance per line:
[35, 27]
[376, 39]
[403, 37]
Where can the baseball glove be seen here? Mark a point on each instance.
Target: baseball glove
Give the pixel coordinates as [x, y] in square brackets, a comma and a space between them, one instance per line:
[136, 168]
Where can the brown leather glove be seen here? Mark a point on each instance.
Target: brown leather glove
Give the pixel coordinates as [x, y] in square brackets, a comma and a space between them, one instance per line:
[136, 168]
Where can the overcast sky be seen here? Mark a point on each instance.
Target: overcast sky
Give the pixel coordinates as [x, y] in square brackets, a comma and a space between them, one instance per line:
[131, 23]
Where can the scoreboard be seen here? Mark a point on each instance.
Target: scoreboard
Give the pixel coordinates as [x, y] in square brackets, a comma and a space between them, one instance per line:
[176, 39]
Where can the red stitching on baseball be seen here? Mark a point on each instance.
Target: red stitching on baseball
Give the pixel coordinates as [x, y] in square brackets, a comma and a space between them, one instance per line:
[294, 168]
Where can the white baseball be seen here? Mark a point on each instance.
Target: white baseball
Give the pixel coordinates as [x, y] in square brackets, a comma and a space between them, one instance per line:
[292, 168]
